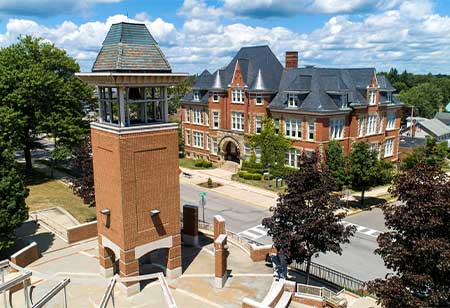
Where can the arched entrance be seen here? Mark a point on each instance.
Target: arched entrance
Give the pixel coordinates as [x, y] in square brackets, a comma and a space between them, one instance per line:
[230, 149]
[111, 261]
[152, 262]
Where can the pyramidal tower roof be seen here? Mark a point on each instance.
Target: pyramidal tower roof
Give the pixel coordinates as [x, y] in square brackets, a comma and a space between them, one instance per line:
[258, 84]
[217, 81]
[129, 47]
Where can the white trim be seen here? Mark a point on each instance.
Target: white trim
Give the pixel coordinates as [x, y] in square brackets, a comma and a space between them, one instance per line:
[166, 242]
[134, 129]
[107, 243]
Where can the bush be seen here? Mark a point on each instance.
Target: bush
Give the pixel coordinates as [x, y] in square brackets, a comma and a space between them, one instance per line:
[257, 177]
[248, 176]
[242, 173]
[210, 182]
[203, 164]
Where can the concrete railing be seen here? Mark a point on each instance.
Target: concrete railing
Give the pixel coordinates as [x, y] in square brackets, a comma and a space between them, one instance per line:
[322, 294]
[26, 255]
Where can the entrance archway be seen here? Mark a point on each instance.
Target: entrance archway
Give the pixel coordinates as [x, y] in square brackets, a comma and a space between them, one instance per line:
[152, 262]
[111, 261]
[231, 152]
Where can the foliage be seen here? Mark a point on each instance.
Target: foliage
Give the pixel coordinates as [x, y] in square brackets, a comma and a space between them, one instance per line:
[13, 210]
[176, 92]
[203, 164]
[426, 98]
[417, 248]
[304, 222]
[210, 182]
[363, 168]
[431, 153]
[335, 162]
[273, 146]
[40, 94]
[84, 185]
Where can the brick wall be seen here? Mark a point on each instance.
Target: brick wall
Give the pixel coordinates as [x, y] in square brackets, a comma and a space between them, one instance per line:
[259, 253]
[26, 255]
[82, 232]
[190, 220]
[219, 226]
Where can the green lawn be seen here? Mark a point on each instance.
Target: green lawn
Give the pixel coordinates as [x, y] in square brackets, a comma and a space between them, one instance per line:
[46, 193]
[261, 184]
[190, 163]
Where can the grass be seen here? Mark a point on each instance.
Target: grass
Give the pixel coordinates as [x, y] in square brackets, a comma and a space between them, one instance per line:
[190, 164]
[261, 183]
[46, 193]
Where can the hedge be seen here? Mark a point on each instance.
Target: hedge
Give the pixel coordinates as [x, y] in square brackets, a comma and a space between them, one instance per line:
[203, 164]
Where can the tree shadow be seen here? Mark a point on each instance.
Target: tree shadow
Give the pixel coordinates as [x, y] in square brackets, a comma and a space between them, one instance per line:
[35, 178]
[368, 203]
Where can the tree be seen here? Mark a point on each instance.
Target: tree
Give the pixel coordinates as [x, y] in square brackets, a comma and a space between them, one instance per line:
[38, 87]
[13, 210]
[335, 162]
[431, 153]
[426, 98]
[273, 146]
[363, 168]
[305, 222]
[84, 185]
[176, 92]
[417, 247]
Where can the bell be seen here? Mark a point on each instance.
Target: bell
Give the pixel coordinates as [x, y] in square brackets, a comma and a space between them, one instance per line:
[135, 94]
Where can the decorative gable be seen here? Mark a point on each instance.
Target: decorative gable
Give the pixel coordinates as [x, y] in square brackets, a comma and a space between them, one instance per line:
[238, 80]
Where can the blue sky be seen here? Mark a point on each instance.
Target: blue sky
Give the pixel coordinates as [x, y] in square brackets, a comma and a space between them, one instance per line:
[198, 34]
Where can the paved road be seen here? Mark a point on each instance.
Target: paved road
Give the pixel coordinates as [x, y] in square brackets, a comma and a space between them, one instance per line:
[357, 259]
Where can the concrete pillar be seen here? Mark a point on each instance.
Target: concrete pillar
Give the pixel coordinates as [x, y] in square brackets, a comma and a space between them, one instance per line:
[190, 224]
[219, 226]
[121, 94]
[220, 259]
[166, 106]
[173, 269]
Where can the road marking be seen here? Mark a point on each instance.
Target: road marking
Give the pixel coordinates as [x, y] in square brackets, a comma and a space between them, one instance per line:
[363, 230]
[254, 233]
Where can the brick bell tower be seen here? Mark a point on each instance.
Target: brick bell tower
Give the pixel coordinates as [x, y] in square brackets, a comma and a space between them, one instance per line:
[135, 155]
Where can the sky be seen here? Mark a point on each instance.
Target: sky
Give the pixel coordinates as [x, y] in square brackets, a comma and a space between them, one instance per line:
[411, 35]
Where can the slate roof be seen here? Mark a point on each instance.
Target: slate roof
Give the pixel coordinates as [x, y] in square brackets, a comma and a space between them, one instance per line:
[435, 127]
[129, 47]
[443, 117]
[384, 83]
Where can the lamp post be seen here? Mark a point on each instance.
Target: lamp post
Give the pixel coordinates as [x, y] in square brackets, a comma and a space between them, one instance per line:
[268, 175]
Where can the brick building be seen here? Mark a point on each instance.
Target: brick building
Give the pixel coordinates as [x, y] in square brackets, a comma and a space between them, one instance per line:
[310, 105]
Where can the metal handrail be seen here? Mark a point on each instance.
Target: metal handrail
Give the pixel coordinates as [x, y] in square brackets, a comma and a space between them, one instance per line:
[52, 293]
[108, 294]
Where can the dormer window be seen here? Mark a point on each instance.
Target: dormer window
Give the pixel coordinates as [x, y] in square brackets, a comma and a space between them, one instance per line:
[215, 97]
[372, 97]
[237, 96]
[259, 99]
[344, 100]
[389, 97]
[196, 95]
[292, 100]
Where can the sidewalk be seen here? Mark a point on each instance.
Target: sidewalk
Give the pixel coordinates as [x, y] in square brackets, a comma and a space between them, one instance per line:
[239, 191]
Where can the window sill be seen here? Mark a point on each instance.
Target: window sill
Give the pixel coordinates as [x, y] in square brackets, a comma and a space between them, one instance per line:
[387, 156]
[390, 129]
[238, 103]
[197, 147]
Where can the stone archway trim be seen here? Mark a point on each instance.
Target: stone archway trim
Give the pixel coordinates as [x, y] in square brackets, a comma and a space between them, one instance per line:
[166, 242]
[227, 139]
[107, 243]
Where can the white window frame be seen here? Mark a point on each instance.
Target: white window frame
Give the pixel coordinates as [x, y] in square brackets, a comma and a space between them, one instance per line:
[187, 137]
[361, 124]
[237, 96]
[196, 95]
[259, 97]
[215, 146]
[372, 97]
[206, 117]
[389, 97]
[390, 120]
[371, 124]
[214, 113]
[207, 142]
[237, 121]
[197, 116]
[292, 158]
[258, 154]
[337, 128]
[389, 147]
[198, 139]
[380, 122]
[344, 100]
[293, 128]
[187, 115]
[215, 97]
[313, 122]
[292, 100]
[258, 124]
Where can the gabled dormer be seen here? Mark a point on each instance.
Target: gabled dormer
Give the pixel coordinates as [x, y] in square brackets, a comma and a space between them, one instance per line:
[372, 91]
[238, 79]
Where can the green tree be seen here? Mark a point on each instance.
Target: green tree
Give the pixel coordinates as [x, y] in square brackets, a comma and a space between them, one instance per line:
[416, 247]
[84, 185]
[363, 168]
[431, 153]
[335, 162]
[176, 92]
[273, 146]
[426, 98]
[13, 210]
[38, 87]
[305, 221]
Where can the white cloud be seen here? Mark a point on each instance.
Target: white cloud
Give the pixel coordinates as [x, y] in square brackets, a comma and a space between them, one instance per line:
[398, 37]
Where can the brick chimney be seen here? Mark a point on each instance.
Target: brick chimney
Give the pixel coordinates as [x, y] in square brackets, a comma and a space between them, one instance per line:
[291, 59]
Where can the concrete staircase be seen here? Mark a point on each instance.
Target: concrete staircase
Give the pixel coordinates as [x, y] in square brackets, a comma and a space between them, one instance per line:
[230, 166]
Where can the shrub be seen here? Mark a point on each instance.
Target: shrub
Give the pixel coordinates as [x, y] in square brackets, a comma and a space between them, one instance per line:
[248, 176]
[203, 164]
[242, 173]
[210, 182]
[257, 177]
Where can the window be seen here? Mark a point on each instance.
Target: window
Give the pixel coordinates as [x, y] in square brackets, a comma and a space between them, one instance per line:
[292, 100]
[187, 137]
[390, 120]
[292, 158]
[188, 114]
[372, 97]
[237, 96]
[389, 147]
[389, 97]
[344, 100]
[361, 122]
[380, 122]
[215, 97]
[198, 139]
[258, 154]
[215, 146]
[337, 129]
[258, 125]
[293, 128]
[375, 147]
[259, 99]
[216, 119]
[237, 121]
[248, 151]
[196, 95]
[311, 130]
[277, 125]
[371, 124]
[207, 118]
[198, 116]
[207, 142]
